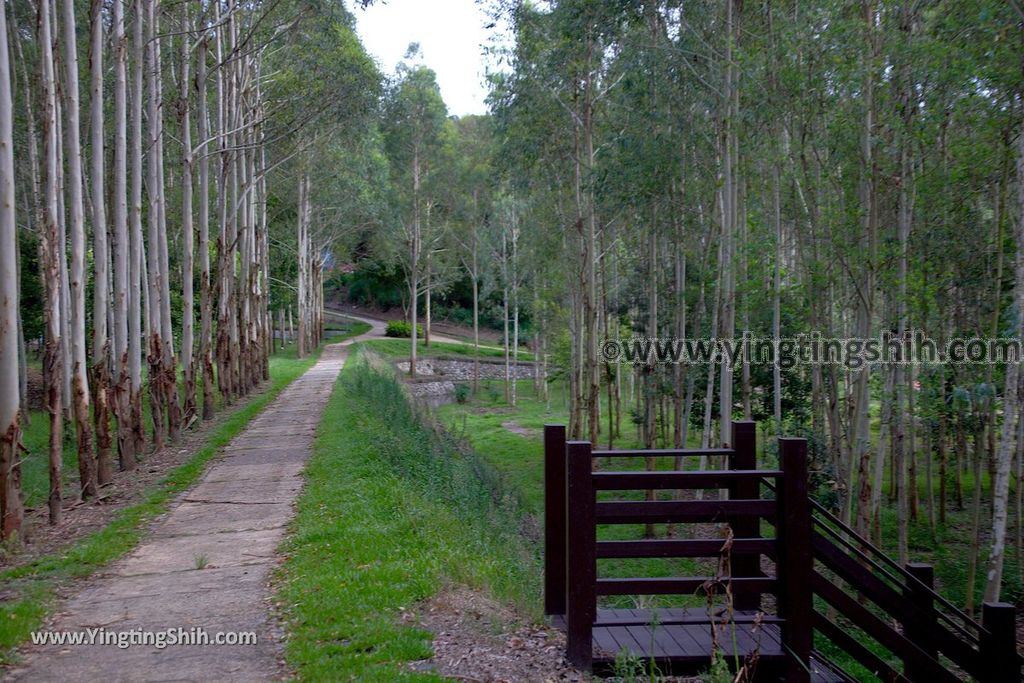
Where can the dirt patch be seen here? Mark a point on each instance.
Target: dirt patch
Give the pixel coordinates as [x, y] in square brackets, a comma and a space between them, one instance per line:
[476, 639]
[516, 428]
[127, 488]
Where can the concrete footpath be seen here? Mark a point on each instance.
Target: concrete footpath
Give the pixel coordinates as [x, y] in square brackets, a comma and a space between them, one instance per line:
[205, 565]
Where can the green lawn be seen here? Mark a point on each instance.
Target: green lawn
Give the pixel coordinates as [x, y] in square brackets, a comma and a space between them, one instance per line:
[411, 513]
[30, 589]
[399, 348]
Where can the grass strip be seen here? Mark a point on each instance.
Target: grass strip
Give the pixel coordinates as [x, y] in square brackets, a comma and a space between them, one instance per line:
[392, 511]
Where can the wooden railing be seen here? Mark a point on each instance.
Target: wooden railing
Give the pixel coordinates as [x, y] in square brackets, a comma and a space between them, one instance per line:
[935, 642]
[817, 559]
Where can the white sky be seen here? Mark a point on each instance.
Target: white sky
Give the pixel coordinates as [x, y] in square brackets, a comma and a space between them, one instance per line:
[451, 35]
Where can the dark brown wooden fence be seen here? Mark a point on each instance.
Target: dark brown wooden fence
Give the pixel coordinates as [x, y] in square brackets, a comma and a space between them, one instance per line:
[827, 580]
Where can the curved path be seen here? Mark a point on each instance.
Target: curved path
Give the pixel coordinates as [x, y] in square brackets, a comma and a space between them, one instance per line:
[206, 563]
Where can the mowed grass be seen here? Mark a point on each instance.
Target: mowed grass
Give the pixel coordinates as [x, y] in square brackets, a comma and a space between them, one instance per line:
[392, 511]
[399, 348]
[29, 590]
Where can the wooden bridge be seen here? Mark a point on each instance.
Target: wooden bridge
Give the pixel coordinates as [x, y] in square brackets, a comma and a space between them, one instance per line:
[794, 594]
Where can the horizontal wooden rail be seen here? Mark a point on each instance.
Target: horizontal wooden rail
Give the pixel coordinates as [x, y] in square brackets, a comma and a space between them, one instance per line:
[896, 605]
[684, 548]
[707, 479]
[689, 585]
[843, 535]
[661, 453]
[865, 657]
[670, 512]
[887, 636]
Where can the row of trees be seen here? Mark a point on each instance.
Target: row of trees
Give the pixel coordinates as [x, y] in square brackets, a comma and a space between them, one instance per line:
[455, 221]
[696, 169]
[171, 210]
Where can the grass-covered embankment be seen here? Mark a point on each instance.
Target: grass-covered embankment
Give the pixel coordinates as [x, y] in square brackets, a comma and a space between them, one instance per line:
[29, 590]
[392, 511]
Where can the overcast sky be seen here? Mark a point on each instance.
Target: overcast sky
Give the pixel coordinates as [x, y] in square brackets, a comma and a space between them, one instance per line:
[451, 34]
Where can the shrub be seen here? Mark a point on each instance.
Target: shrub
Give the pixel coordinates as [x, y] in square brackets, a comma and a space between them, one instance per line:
[402, 328]
[461, 393]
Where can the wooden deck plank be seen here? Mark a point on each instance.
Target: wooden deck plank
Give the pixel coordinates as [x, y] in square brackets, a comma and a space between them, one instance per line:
[604, 643]
[684, 647]
[626, 641]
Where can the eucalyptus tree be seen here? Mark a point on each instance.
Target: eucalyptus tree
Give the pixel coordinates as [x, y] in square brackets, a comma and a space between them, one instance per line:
[136, 245]
[471, 188]
[188, 316]
[51, 255]
[11, 512]
[101, 258]
[414, 115]
[121, 245]
[76, 217]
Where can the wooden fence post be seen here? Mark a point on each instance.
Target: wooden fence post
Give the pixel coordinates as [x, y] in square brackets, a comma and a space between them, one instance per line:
[999, 642]
[794, 564]
[744, 457]
[912, 630]
[581, 607]
[554, 519]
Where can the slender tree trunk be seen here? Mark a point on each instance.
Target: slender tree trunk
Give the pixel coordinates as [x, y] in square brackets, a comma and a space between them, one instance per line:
[101, 276]
[504, 316]
[303, 282]
[11, 509]
[515, 311]
[80, 380]
[476, 318]
[62, 232]
[167, 358]
[861, 451]
[972, 559]
[157, 390]
[121, 246]
[51, 252]
[205, 358]
[426, 302]
[1011, 398]
[187, 237]
[136, 247]
[414, 261]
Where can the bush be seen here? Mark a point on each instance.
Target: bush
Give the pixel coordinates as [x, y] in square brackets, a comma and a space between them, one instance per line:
[402, 328]
[461, 393]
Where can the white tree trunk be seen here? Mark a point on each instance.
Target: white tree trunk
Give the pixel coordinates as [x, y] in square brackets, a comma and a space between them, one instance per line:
[11, 511]
[136, 249]
[51, 251]
[1011, 403]
[167, 357]
[187, 296]
[121, 246]
[76, 215]
[302, 283]
[154, 189]
[205, 358]
[101, 277]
